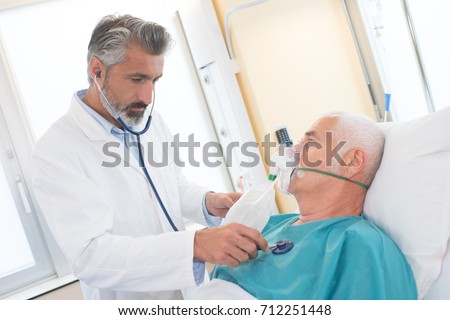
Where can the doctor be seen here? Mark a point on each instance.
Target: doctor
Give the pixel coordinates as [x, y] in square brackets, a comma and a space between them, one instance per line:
[121, 226]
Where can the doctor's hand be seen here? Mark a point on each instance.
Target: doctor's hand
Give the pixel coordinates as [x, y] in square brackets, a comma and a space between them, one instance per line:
[230, 244]
[218, 204]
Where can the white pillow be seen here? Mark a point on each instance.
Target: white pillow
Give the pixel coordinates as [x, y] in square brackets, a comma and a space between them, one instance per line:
[410, 195]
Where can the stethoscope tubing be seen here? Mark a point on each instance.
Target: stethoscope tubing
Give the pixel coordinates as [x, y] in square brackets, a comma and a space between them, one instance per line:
[141, 157]
[152, 185]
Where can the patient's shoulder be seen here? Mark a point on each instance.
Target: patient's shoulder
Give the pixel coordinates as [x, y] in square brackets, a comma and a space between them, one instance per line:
[366, 234]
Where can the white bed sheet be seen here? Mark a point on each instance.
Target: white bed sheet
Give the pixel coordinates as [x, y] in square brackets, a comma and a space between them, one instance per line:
[440, 290]
[218, 289]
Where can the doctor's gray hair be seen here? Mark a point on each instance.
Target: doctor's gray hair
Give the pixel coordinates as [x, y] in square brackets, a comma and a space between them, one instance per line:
[114, 34]
[359, 131]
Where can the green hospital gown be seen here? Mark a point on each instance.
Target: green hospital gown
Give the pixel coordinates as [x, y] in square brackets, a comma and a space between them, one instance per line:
[338, 258]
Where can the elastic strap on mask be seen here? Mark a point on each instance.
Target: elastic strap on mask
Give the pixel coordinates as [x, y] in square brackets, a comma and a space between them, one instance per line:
[365, 186]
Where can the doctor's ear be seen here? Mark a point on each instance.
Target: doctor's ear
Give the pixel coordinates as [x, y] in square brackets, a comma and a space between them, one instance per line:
[95, 68]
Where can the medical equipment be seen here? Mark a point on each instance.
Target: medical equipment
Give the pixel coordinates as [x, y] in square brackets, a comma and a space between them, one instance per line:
[281, 247]
[299, 173]
[284, 161]
[137, 134]
[253, 207]
[387, 105]
[283, 137]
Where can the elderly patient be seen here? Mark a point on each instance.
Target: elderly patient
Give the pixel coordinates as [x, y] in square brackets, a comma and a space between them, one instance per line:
[337, 252]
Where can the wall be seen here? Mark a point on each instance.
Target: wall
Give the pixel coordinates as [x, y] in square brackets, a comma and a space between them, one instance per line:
[297, 60]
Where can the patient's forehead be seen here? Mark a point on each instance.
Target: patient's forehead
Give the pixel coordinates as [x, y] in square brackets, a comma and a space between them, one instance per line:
[321, 126]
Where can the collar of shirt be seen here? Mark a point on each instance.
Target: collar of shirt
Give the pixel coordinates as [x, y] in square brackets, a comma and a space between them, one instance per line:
[124, 137]
[108, 126]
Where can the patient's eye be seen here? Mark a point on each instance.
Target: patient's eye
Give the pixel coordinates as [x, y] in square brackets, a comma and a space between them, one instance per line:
[311, 144]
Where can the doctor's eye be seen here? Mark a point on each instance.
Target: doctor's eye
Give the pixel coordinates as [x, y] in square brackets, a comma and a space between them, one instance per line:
[136, 79]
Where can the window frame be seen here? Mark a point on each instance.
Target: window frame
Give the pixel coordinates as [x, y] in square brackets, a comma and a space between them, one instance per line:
[368, 59]
[16, 159]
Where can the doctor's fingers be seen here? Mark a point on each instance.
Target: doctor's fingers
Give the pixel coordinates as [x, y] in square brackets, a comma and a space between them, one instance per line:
[235, 250]
[219, 203]
[229, 244]
[234, 256]
[255, 237]
[233, 197]
[245, 242]
[228, 201]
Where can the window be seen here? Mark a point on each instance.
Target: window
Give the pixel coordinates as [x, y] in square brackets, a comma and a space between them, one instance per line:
[24, 254]
[432, 27]
[16, 255]
[405, 53]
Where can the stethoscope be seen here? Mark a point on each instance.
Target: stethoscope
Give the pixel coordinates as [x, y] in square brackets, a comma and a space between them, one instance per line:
[281, 247]
[138, 138]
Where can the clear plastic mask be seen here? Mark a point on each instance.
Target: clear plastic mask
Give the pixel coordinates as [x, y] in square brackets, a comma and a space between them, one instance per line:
[286, 164]
[284, 180]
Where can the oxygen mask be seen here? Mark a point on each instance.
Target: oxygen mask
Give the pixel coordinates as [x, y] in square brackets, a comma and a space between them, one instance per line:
[284, 161]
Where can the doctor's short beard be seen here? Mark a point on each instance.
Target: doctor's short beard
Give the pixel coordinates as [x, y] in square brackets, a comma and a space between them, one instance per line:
[131, 118]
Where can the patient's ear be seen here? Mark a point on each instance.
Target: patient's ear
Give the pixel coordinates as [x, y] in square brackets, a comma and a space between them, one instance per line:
[355, 160]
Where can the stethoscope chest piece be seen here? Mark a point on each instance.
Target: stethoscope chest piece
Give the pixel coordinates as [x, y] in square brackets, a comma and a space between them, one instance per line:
[282, 247]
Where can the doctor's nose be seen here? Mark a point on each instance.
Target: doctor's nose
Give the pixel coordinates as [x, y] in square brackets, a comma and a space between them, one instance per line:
[145, 94]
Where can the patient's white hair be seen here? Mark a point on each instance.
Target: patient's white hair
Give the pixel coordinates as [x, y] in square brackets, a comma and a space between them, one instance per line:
[359, 131]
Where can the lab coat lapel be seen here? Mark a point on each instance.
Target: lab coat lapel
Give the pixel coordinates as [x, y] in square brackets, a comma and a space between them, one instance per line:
[97, 134]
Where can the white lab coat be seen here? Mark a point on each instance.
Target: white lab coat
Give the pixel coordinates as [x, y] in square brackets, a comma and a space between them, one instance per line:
[113, 233]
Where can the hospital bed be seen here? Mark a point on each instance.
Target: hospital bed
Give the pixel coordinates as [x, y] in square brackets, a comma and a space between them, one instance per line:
[409, 198]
